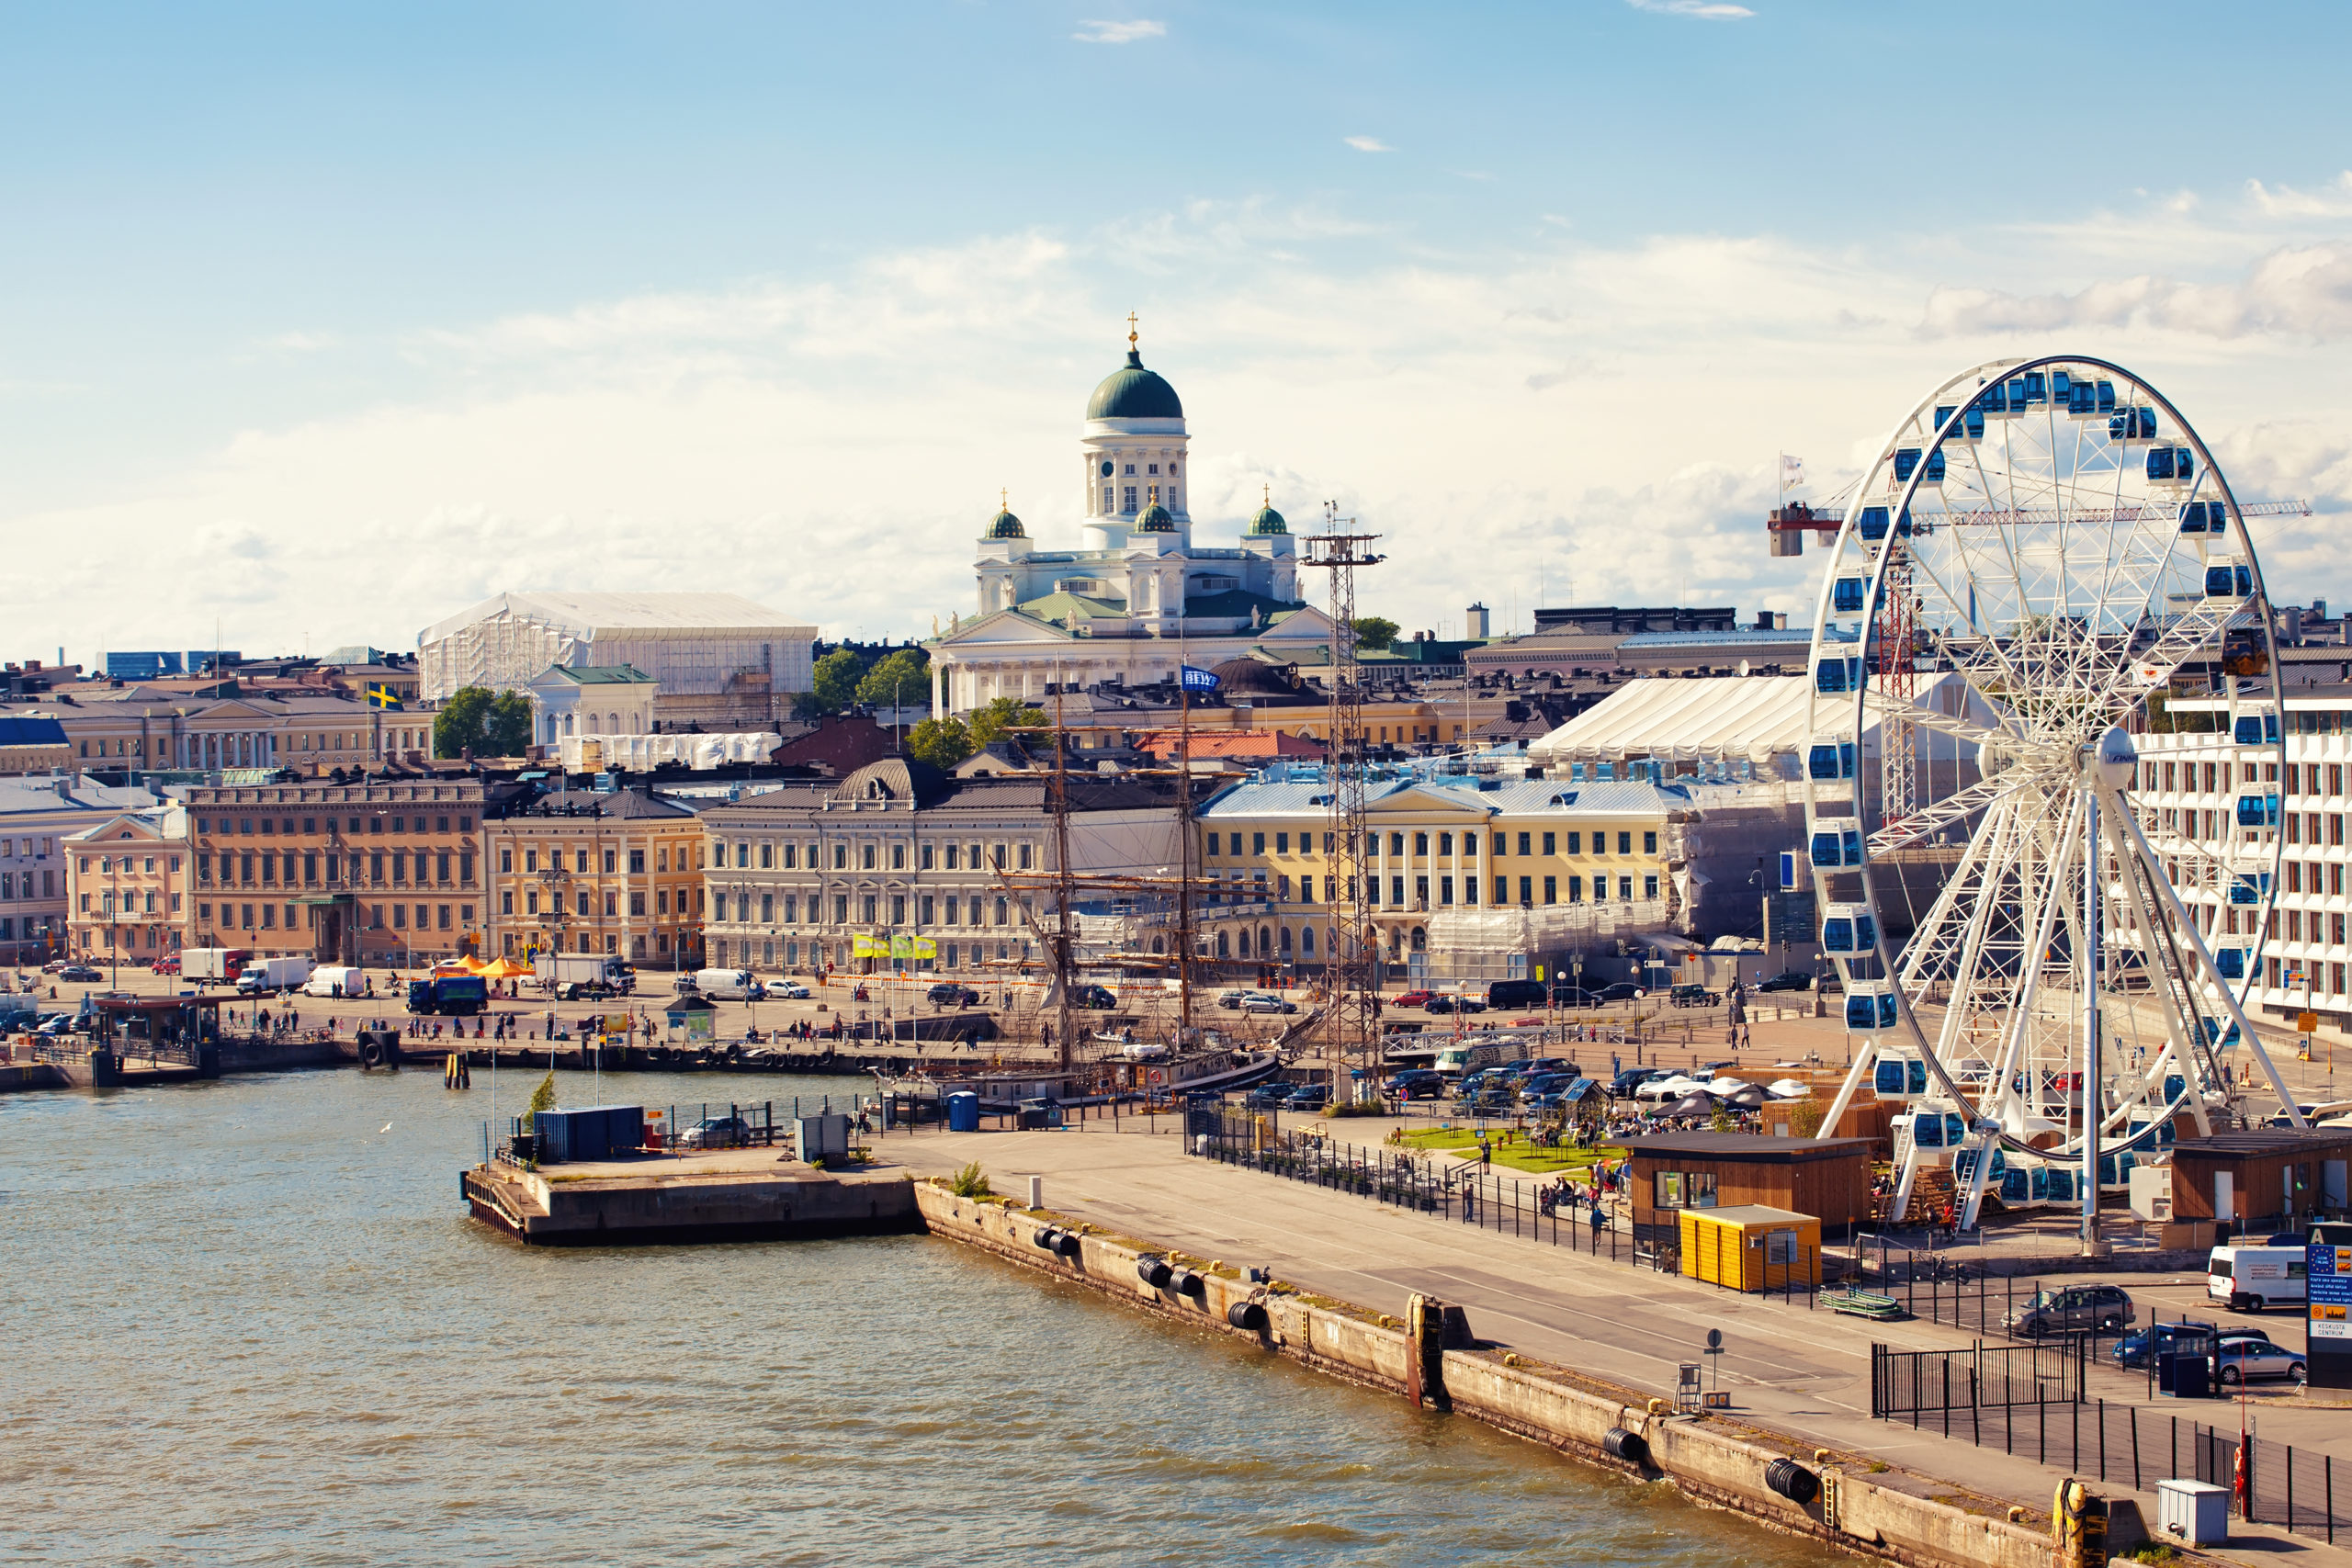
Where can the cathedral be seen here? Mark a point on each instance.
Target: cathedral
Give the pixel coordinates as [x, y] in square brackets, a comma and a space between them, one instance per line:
[1137, 597]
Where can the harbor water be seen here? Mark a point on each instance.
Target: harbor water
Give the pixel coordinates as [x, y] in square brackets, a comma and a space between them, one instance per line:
[250, 1323]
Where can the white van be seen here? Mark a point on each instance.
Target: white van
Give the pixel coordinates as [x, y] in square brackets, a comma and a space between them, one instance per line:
[2247, 1279]
[733, 985]
[336, 980]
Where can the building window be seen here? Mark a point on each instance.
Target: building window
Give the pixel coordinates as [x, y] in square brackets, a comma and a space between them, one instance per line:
[1625, 888]
[1257, 843]
[868, 905]
[1127, 493]
[1649, 843]
[1551, 890]
[1575, 889]
[637, 865]
[1649, 887]
[1624, 843]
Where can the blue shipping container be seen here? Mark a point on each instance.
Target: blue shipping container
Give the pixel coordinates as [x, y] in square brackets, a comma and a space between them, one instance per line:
[595, 1133]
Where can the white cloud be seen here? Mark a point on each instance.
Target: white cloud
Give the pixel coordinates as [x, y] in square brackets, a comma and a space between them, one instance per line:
[1119, 32]
[1368, 144]
[830, 440]
[2284, 201]
[2304, 290]
[1705, 10]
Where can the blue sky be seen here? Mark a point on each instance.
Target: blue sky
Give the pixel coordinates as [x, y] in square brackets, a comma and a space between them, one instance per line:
[473, 297]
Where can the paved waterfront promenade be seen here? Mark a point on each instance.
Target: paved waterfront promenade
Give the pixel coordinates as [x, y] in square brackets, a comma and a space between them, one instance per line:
[1800, 1370]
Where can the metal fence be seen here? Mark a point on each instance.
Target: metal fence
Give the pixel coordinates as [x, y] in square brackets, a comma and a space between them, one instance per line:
[1410, 1180]
[2028, 1400]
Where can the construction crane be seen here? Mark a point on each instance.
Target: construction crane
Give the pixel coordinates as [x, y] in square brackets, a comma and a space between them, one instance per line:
[1789, 524]
[1350, 1020]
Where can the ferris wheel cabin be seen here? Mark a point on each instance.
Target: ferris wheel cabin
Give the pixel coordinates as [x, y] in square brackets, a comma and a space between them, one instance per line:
[2204, 517]
[2229, 579]
[1829, 759]
[1849, 930]
[1872, 1009]
[1838, 849]
[2256, 728]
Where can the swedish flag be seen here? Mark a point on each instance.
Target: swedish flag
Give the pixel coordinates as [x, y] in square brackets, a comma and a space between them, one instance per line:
[381, 696]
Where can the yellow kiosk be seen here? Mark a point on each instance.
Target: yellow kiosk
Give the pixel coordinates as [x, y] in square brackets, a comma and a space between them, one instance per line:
[1751, 1247]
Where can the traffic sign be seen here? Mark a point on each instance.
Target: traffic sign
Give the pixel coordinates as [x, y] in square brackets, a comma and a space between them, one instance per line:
[2307, 1021]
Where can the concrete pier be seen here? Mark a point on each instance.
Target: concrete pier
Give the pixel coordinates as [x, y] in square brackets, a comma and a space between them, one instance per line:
[724, 1195]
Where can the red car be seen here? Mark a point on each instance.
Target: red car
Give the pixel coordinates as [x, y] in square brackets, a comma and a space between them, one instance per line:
[168, 964]
[1414, 1000]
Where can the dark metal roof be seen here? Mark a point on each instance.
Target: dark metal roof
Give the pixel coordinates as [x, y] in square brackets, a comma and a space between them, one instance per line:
[1745, 1146]
[1134, 392]
[2258, 1141]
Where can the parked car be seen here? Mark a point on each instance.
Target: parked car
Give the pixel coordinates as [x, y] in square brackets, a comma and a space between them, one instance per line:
[2247, 1359]
[717, 1132]
[1266, 1001]
[686, 986]
[2132, 1349]
[1621, 991]
[1502, 995]
[1693, 997]
[2075, 1309]
[168, 964]
[792, 989]
[1456, 1004]
[1573, 997]
[949, 994]
[1310, 1097]
[1621, 1087]
[80, 974]
[1271, 1096]
[1413, 999]
[1787, 981]
[1420, 1085]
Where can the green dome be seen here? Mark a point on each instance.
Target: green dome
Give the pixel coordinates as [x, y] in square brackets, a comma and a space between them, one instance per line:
[1268, 521]
[1134, 392]
[1154, 520]
[1006, 525]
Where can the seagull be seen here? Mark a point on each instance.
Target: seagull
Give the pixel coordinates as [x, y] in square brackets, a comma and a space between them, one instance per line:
[385, 1128]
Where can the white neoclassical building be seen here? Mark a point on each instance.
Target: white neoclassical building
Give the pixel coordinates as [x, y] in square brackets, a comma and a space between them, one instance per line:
[1138, 597]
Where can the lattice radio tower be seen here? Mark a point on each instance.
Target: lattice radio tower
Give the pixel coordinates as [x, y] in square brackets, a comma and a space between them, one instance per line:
[1352, 1030]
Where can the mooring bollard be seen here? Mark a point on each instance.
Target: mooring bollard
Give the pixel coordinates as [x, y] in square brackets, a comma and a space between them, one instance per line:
[1036, 1192]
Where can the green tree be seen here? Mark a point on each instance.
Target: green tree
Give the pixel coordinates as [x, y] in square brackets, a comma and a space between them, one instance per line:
[542, 1098]
[490, 724]
[1375, 631]
[837, 676]
[942, 742]
[989, 724]
[903, 677]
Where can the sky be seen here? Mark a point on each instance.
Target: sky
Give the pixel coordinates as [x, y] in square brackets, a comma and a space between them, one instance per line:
[318, 324]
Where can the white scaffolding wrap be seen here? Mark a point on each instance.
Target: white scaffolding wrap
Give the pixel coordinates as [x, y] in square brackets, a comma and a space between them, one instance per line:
[643, 754]
[692, 644]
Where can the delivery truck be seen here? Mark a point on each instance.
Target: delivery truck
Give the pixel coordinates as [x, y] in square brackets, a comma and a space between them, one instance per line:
[570, 976]
[336, 981]
[452, 995]
[214, 966]
[258, 977]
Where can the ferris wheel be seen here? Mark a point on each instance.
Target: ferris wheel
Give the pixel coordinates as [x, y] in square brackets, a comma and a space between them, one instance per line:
[2049, 974]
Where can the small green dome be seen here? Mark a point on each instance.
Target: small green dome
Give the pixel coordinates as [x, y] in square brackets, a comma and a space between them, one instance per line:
[1134, 392]
[1154, 520]
[1006, 525]
[1268, 521]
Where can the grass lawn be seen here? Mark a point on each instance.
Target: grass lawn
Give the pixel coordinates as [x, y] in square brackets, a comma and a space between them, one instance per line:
[1518, 1154]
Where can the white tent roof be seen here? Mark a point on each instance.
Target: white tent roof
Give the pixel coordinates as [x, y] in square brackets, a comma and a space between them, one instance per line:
[1756, 716]
[586, 615]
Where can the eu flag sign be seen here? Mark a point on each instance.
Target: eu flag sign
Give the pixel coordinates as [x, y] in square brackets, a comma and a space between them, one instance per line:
[1199, 680]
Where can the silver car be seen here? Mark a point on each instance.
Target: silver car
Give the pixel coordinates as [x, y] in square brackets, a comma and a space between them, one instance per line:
[2258, 1360]
[1266, 1001]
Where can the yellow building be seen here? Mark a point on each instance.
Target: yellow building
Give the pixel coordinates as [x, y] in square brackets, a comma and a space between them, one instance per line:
[1438, 843]
[575, 871]
[127, 887]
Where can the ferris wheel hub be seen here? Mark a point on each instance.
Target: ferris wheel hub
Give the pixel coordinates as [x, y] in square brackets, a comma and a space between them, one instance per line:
[2112, 761]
